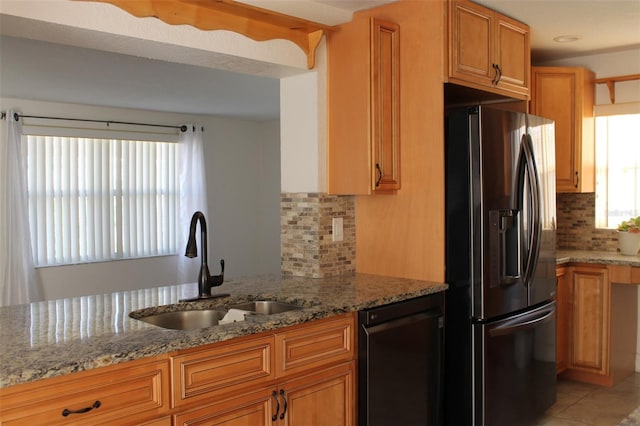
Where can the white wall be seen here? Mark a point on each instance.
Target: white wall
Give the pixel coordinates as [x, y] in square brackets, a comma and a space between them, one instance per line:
[105, 27]
[243, 185]
[612, 64]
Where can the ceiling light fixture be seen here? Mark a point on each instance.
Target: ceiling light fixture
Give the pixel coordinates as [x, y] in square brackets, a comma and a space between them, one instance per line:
[566, 38]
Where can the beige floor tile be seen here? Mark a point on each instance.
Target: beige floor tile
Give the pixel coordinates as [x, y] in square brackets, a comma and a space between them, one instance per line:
[580, 404]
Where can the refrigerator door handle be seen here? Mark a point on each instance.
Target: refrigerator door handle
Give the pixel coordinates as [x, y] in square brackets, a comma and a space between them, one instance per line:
[527, 176]
[535, 226]
[524, 322]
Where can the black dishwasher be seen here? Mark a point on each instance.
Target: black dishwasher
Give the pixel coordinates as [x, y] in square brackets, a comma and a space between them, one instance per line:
[400, 350]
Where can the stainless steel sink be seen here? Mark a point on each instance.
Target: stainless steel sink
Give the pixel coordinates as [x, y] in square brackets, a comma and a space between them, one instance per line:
[185, 320]
[266, 307]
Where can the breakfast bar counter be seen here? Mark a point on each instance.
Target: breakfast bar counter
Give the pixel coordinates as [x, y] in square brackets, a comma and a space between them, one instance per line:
[58, 337]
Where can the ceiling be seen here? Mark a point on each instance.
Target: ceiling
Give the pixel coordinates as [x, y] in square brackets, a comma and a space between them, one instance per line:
[79, 75]
[601, 25]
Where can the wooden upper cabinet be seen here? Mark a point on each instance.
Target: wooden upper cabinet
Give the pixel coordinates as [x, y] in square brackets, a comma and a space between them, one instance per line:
[487, 50]
[364, 107]
[566, 95]
[385, 105]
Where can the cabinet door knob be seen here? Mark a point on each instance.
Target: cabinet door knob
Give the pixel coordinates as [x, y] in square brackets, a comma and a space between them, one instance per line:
[67, 412]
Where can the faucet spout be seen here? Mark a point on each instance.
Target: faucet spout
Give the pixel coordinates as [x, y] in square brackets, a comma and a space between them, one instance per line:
[205, 279]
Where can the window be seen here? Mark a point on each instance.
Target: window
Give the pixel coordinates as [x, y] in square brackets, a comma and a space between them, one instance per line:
[617, 164]
[100, 199]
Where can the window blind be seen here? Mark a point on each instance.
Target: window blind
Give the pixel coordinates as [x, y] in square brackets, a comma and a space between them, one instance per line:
[100, 199]
[617, 163]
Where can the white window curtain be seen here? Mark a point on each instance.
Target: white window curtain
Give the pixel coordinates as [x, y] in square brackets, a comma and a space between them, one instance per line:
[18, 279]
[193, 196]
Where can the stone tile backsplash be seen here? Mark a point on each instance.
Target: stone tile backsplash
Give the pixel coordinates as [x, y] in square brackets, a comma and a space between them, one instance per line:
[306, 234]
[576, 224]
[308, 249]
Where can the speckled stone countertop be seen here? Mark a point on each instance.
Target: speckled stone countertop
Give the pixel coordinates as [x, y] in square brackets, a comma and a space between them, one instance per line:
[53, 338]
[601, 257]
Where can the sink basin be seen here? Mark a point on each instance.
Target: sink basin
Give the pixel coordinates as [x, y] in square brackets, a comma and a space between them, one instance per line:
[266, 307]
[185, 320]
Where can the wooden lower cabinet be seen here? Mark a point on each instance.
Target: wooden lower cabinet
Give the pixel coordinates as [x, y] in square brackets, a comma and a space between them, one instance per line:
[601, 317]
[562, 326]
[133, 393]
[251, 409]
[589, 292]
[300, 375]
[324, 398]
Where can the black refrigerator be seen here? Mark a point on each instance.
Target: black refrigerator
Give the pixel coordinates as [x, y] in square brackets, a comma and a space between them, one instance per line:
[500, 266]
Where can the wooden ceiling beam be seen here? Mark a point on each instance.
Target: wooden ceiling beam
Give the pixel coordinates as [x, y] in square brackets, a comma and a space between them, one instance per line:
[207, 15]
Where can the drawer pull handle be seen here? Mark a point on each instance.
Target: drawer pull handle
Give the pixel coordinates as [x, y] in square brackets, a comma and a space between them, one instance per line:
[284, 398]
[66, 411]
[274, 395]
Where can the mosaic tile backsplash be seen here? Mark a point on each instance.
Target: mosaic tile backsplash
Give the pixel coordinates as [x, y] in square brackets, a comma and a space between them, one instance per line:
[576, 224]
[306, 235]
[308, 250]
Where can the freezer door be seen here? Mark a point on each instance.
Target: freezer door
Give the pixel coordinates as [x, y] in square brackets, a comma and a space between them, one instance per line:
[515, 369]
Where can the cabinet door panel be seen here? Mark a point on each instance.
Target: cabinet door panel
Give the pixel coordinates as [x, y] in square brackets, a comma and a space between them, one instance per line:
[562, 329]
[385, 105]
[512, 55]
[565, 95]
[589, 316]
[323, 399]
[471, 35]
[554, 98]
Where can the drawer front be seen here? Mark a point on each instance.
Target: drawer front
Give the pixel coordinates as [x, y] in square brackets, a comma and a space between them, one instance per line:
[254, 409]
[129, 395]
[221, 370]
[311, 346]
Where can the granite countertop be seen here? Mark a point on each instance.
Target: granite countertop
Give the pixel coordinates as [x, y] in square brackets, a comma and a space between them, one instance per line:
[601, 257]
[53, 338]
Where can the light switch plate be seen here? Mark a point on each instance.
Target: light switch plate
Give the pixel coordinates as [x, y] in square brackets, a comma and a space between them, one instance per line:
[336, 225]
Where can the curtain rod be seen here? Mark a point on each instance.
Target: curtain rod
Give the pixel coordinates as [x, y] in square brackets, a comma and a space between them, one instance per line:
[16, 116]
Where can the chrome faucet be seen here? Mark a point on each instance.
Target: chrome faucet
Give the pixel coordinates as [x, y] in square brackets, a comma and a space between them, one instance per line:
[205, 280]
